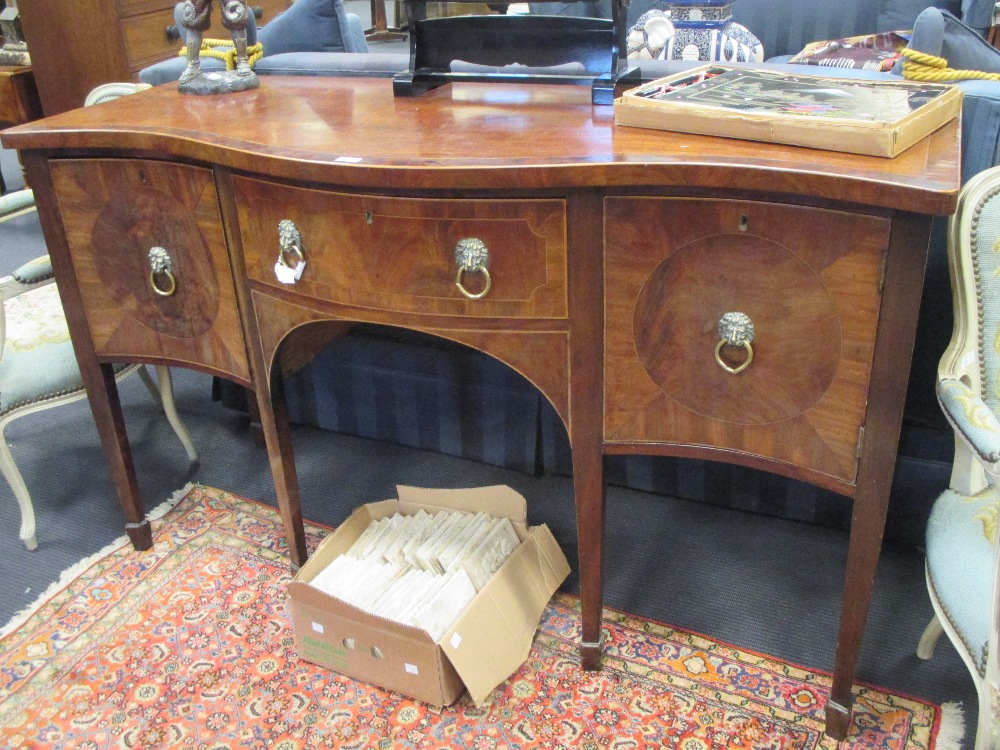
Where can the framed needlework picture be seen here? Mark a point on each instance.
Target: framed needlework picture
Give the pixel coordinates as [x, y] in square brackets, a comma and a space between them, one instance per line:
[878, 118]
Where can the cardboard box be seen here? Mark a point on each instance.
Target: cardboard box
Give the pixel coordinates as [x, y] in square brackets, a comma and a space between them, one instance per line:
[488, 642]
[859, 116]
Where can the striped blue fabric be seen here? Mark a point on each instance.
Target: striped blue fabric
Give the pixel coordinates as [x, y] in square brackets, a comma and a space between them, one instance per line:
[420, 392]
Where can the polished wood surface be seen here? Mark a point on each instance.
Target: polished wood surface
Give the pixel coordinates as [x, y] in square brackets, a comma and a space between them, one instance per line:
[617, 250]
[353, 132]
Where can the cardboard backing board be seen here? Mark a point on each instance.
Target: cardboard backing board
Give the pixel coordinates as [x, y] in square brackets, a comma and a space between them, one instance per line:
[487, 643]
[860, 116]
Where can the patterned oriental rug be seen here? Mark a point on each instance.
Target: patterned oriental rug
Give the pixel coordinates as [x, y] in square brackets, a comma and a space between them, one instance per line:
[189, 646]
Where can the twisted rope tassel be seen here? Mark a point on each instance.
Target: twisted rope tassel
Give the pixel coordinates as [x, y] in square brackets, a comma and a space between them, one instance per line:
[919, 66]
[209, 48]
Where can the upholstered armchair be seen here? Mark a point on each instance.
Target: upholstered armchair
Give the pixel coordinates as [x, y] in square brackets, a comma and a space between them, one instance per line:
[38, 370]
[962, 548]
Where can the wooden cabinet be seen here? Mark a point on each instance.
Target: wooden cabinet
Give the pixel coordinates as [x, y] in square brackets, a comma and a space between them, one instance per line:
[78, 45]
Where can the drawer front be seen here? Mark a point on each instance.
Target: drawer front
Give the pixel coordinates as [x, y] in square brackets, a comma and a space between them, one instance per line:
[809, 281]
[146, 40]
[399, 253]
[114, 213]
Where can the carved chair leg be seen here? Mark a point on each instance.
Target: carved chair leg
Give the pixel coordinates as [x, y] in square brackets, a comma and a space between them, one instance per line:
[929, 639]
[13, 476]
[988, 726]
[162, 391]
[151, 385]
[166, 393]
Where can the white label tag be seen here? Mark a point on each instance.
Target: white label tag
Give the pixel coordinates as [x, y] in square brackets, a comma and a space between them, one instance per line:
[288, 275]
[317, 627]
[411, 668]
[455, 640]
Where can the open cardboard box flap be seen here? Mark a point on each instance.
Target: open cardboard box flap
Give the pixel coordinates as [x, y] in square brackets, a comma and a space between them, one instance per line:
[492, 638]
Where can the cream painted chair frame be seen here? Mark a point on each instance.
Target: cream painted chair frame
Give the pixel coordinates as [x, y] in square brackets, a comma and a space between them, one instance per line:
[970, 475]
[162, 391]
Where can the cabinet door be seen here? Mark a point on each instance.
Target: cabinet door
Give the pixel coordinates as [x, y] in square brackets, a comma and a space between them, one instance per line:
[807, 279]
[115, 212]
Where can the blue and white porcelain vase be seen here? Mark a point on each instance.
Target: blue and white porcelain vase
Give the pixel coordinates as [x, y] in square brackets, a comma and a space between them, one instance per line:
[702, 30]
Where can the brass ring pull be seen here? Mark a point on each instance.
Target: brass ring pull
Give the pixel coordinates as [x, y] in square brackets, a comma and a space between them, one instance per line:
[160, 264]
[471, 254]
[735, 329]
[291, 261]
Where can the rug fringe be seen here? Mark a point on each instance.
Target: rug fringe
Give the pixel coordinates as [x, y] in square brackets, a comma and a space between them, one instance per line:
[171, 502]
[951, 731]
[72, 572]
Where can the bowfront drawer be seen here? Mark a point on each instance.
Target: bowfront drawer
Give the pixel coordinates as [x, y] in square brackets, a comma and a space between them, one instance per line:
[443, 257]
[148, 248]
[741, 325]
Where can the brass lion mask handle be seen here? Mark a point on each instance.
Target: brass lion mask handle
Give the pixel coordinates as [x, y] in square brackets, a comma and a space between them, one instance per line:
[735, 329]
[161, 265]
[291, 261]
[472, 256]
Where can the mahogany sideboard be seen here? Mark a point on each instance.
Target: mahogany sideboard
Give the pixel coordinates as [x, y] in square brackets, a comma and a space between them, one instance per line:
[606, 257]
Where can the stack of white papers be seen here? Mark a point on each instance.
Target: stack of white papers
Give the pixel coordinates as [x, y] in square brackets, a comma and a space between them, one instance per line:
[421, 570]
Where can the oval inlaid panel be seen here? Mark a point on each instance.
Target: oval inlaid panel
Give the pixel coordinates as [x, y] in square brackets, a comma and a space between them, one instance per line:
[126, 228]
[797, 331]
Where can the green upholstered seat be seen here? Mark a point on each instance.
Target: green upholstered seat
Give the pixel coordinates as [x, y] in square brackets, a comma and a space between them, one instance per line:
[35, 270]
[38, 360]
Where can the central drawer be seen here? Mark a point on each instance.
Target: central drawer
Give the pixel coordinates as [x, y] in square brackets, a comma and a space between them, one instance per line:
[393, 253]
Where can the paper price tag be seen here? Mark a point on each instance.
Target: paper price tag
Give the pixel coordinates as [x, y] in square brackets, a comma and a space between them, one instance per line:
[288, 275]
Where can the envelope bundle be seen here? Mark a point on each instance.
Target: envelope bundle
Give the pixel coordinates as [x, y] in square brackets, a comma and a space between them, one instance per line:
[421, 569]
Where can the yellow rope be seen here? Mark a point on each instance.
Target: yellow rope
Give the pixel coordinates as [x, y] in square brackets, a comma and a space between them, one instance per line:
[210, 48]
[919, 66]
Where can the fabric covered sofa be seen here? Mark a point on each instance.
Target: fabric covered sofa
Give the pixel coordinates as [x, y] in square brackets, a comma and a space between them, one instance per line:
[319, 37]
[424, 392]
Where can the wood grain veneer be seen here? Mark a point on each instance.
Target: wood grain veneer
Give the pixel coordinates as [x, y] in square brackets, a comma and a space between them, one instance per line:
[114, 211]
[398, 253]
[674, 267]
